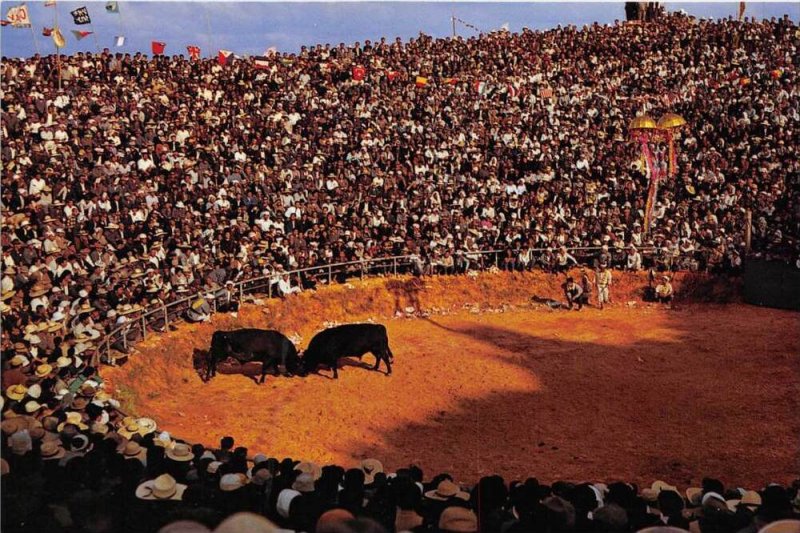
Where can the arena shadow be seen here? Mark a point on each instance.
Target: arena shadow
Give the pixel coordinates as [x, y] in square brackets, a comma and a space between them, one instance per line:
[667, 406]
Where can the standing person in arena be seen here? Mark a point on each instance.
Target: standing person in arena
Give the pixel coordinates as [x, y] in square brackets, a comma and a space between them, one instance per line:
[603, 285]
[586, 285]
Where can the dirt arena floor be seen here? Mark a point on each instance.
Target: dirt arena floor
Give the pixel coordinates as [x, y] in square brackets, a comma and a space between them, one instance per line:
[491, 382]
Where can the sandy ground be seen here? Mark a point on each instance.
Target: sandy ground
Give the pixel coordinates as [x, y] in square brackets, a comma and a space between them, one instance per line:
[634, 392]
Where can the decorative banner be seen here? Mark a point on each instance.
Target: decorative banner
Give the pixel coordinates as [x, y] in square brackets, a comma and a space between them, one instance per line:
[158, 47]
[261, 62]
[450, 81]
[81, 16]
[194, 52]
[58, 38]
[119, 40]
[481, 87]
[18, 17]
[393, 75]
[224, 56]
[653, 174]
[421, 81]
[112, 7]
[81, 34]
[359, 73]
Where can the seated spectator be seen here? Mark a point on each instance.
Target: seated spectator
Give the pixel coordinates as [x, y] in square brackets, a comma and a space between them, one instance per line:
[664, 291]
[199, 311]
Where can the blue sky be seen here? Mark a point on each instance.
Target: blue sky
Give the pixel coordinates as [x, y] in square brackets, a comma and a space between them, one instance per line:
[252, 27]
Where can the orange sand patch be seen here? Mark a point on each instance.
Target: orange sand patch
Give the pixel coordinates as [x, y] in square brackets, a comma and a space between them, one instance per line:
[634, 393]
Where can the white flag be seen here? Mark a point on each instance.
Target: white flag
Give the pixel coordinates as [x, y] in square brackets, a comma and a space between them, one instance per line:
[18, 16]
[119, 40]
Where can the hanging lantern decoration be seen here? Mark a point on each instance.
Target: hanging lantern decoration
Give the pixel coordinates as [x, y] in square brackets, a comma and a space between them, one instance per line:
[669, 124]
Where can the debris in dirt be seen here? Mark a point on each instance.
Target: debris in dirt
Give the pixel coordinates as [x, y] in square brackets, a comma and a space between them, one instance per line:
[410, 310]
[639, 358]
[181, 414]
[472, 273]
[349, 286]
[631, 304]
[398, 314]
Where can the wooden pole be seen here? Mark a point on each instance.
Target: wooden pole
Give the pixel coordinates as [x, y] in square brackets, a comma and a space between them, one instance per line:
[748, 230]
[35, 42]
[453, 20]
[58, 51]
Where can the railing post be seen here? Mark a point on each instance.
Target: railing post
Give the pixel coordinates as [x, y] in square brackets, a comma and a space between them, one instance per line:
[166, 315]
[269, 288]
[394, 265]
[144, 328]
[330, 274]
[241, 292]
[108, 350]
[125, 337]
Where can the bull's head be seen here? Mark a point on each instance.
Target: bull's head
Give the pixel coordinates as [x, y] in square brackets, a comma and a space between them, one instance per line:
[219, 345]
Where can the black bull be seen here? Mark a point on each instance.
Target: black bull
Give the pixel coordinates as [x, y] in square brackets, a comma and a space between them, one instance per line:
[351, 340]
[246, 345]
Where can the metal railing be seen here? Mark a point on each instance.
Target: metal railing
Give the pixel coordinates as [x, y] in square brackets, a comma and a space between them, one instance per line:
[167, 313]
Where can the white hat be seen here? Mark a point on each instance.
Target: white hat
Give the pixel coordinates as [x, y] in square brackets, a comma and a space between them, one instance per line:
[285, 501]
[230, 482]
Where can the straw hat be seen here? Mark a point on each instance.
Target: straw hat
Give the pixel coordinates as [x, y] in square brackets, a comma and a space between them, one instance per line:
[458, 519]
[19, 360]
[231, 482]
[43, 370]
[370, 468]
[51, 450]
[63, 362]
[651, 494]
[73, 418]
[129, 429]
[446, 490]
[146, 425]
[132, 450]
[304, 483]
[750, 500]
[35, 391]
[309, 468]
[164, 487]
[38, 290]
[16, 392]
[181, 452]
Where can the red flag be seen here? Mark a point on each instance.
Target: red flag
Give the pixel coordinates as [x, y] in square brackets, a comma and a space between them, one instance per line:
[450, 81]
[80, 34]
[47, 32]
[392, 75]
[224, 56]
[359, 72]
[194, 52]
[158, 47]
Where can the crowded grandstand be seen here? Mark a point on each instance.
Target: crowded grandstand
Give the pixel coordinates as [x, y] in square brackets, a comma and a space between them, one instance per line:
[131, 183]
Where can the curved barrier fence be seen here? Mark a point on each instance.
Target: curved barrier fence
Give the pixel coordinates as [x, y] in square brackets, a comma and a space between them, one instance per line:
[119, 337]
